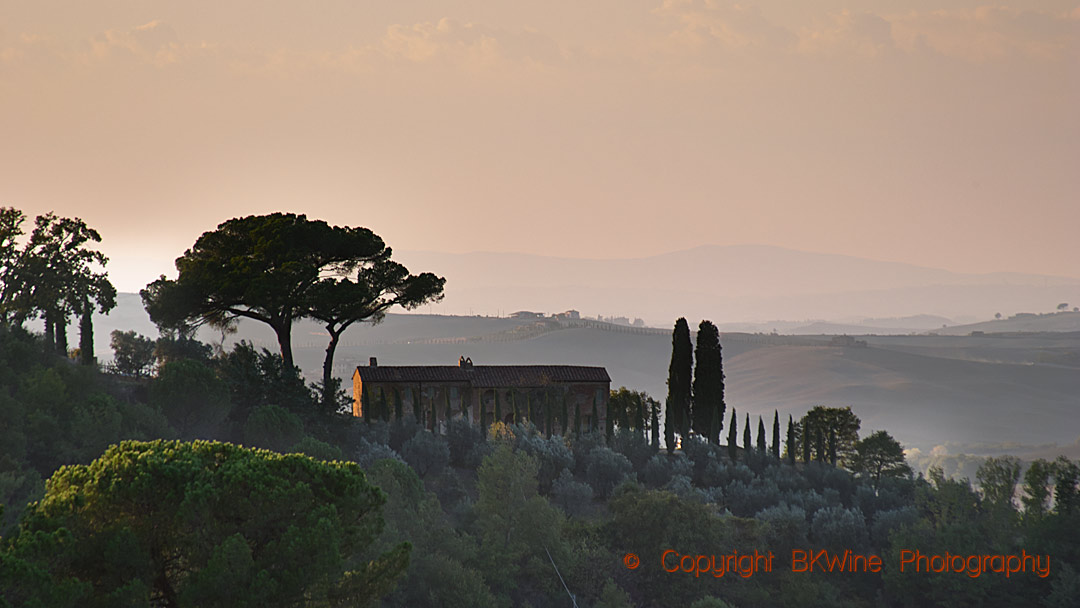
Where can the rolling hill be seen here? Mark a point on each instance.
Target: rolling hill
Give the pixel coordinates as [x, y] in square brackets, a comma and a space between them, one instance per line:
[952, 393]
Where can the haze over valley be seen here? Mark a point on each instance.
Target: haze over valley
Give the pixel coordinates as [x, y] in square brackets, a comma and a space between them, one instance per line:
[1014, 388]
[732, 284]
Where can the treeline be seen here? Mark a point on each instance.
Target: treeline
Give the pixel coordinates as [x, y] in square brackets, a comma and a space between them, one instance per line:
[53, 275]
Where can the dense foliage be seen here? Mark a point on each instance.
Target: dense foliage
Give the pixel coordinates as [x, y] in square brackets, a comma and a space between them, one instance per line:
[176, 524]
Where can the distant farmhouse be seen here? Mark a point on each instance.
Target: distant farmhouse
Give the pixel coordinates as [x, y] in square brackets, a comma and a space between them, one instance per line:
[575, 397]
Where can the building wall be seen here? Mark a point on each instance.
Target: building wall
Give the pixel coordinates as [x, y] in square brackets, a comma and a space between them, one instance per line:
[579, 398]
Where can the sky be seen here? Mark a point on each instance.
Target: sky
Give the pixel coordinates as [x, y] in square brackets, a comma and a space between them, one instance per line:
[943, 133]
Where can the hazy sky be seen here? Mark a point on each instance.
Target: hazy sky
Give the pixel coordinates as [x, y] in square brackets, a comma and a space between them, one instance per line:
[936, 132]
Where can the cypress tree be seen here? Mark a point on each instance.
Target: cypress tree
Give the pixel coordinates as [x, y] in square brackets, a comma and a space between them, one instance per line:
[529, 407]
[576, 413]
[366, 404]
[708, 397]
[732, 433]
[548, 414]
[679, 379]
[791, 440]
[498, 409]
[594, 422]
[761, 436]
[434, 412]
[776, 434]
[654, 406]
[747, 446]
[449, 413]
[415, 398]
[564, 422]
[86, 335]
[609, 424]
[483, 416]
[514, 407]
[397, 404]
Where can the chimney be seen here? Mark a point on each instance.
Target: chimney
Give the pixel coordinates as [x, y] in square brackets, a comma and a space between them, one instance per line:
[465, 363]
[373, 362]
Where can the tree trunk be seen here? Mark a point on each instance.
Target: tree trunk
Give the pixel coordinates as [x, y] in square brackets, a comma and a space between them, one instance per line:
[284, 338]
[328, 369]
[50, 332]
[61, 335]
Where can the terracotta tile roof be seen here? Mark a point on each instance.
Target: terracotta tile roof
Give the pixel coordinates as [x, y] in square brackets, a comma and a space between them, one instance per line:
[485, 376]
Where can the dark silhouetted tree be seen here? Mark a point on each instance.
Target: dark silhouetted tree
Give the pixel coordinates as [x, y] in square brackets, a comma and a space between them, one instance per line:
[761, 447]
[679, 382]
[997, 478]
[1066, 475]
[747, 446]
[708, 385]
[1037, 489]
[879, 456]
[776, 434]
[365, 290]
[842, 420]
[791, 445]
[281, 267]
[56, 275]
[86, 335]
[132, 354]
[732, 434]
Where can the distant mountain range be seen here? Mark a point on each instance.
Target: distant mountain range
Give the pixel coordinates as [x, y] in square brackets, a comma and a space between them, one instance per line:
[733, 284]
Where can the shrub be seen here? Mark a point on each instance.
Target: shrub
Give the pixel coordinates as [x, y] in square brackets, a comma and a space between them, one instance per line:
[634, 446]
[552, 454]
[320, 450]
[787, 528]
[273, 427]
[461, 437]
[745, 500]
[839, 528]
[426, 453]
[367, 453]
[572, 496]
[402, 430]
[887, 521]
[605, 470]
[192, 398]
[581, 446]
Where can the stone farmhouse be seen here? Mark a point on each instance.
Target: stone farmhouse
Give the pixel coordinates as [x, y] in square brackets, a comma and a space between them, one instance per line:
[571, 397]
